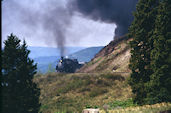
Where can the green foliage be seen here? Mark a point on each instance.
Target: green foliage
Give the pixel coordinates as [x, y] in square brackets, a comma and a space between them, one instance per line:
[19, 92]
[141, 31]
[159, 89]
[50, 68]
[150, 52]
[123, 104]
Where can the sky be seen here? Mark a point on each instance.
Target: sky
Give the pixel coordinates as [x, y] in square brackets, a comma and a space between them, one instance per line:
[49, 23]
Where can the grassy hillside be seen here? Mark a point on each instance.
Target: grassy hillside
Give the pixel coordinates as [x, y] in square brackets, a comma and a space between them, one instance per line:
[69, 93]
[74, 92]
[112, 58]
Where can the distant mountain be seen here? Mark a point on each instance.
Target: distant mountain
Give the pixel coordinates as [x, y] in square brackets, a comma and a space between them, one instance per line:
[47, 59]
[87, 54]
[50, 51]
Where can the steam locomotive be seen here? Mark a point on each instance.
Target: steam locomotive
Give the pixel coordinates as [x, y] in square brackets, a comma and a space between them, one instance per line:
[66, 65]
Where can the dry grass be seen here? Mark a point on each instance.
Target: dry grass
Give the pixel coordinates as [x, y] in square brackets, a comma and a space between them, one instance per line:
[156, 108]
[69, 93]
[74, 92]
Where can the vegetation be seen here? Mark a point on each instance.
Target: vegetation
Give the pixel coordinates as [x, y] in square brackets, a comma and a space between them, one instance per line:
[50, 68]
[122, 104]
[159, 89]
[156, 108]
[74, 92]
[19, 93]
[150, 52]
[106, 91]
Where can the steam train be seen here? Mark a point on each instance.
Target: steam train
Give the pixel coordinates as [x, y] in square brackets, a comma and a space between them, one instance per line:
[66, 65]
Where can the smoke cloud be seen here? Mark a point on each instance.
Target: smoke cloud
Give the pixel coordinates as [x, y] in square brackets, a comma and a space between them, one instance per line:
[56, 21]
[50, 16]
[54, 18]
[110, 11]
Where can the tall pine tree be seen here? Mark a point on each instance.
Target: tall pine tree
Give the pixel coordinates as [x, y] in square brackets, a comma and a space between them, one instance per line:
[160, 83]
[19, 93]
[141, 31]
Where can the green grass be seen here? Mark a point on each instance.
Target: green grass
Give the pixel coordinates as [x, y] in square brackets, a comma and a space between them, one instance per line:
[122, 104]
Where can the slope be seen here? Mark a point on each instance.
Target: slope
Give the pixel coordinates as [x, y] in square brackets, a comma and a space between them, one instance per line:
[71, 93]
[112, 58]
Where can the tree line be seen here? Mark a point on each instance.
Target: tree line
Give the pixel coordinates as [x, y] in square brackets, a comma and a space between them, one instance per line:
[150, 61]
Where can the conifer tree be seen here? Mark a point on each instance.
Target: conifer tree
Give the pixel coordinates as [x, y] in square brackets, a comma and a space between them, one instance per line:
[160, 83]
[19, 93]
[141, 31]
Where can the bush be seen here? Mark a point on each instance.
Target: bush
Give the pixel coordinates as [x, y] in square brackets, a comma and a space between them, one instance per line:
[123, 104]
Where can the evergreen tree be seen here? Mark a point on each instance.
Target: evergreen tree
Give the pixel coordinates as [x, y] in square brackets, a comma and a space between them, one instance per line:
[160, 83]
[19, 93]
[141, 31]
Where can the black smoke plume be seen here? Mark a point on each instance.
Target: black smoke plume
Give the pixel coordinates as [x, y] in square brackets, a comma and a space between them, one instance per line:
[110, 11]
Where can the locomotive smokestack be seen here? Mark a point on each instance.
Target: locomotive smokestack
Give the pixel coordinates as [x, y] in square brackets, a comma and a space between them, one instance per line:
[62, 57]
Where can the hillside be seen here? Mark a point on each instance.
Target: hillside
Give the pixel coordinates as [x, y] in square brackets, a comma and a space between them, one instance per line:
[70, 93]
[112, 58]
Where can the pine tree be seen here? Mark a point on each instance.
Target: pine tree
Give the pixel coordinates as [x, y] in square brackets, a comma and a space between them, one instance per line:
[19, 93]
[160, 83]
[141, 31]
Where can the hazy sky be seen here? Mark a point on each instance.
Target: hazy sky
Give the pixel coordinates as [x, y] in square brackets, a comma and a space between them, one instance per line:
[33, 20]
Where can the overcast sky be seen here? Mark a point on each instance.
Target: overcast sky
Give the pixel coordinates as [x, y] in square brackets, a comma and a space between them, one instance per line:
[23, 18]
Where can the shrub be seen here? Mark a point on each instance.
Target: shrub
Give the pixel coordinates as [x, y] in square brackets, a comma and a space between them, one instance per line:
[123, 104]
